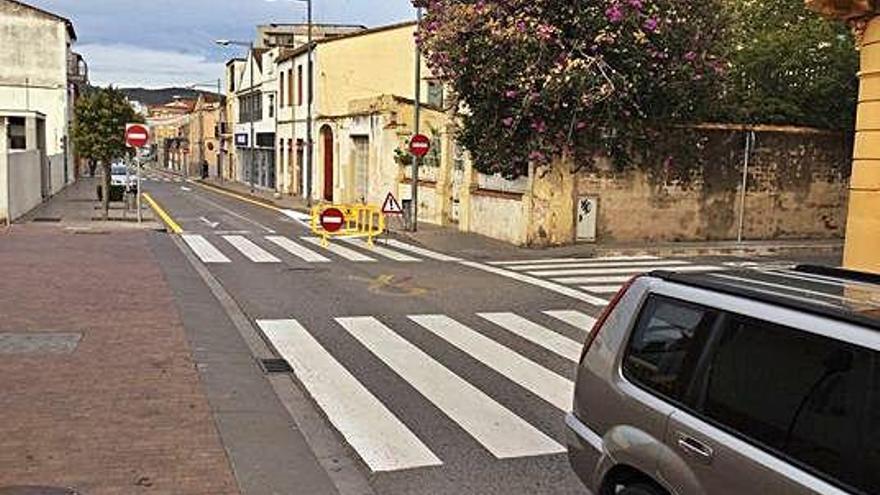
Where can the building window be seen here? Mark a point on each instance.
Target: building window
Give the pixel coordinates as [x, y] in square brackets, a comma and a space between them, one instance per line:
[299, 85]
[435, 94]
[232, 80]
[434, 157]
[271, 106]
[250, 108]
[290, 87]
[281, 92]
[17, 133]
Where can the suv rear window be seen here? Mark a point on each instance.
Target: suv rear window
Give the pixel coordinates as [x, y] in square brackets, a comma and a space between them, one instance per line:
[666, 344]
[798, 393]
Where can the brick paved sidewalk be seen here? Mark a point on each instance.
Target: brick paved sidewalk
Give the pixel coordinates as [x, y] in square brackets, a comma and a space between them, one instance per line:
[124, 413]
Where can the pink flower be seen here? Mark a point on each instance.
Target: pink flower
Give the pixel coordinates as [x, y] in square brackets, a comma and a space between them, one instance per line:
[511, 94]
[507, 121]
[636, 4]
[651, 24]
[614, 14]
[690, 56]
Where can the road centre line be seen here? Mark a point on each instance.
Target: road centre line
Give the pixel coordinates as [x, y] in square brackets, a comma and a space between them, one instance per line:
[233, 213]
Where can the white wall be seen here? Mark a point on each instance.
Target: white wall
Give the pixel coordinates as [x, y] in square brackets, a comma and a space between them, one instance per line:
[24, 181]
[33, 58]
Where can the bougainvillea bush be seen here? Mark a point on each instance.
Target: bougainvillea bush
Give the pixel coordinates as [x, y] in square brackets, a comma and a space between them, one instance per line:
[539, 79]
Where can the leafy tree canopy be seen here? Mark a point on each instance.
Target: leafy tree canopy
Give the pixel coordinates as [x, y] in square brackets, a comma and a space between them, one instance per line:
[542, 78]
[537, 79]
[789, 66]
[99, 133]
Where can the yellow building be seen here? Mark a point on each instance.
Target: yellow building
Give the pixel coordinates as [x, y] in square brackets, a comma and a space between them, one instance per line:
[863, 227]
[362, 109]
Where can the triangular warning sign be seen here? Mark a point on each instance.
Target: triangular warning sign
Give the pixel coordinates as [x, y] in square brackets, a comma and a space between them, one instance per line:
[391, 206]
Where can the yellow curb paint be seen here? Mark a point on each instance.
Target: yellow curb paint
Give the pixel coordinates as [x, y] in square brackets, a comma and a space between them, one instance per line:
[239, 197]
[175, 228]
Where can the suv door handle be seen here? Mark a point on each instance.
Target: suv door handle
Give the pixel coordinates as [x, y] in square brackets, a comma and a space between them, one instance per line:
[695, 448]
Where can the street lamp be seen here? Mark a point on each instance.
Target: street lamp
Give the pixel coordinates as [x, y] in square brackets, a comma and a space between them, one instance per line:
[250, 47]
[311, 92]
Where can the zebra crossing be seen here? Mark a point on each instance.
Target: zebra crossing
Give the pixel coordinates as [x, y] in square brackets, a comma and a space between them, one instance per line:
[272, 249]
[595, 278]
[373, 428]
[162, 178]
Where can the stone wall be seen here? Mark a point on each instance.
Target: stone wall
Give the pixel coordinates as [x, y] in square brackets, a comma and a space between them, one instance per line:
[797, 187]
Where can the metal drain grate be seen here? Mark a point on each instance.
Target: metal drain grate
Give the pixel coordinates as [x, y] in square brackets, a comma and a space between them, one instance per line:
[275, 366]
[46, 220]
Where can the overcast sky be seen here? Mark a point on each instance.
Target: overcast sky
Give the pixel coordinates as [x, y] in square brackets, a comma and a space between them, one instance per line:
[159, 43]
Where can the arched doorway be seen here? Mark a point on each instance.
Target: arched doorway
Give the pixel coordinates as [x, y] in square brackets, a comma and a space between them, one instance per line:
[327, 141]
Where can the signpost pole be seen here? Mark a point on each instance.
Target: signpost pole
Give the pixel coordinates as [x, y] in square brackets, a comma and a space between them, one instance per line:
[137, 165]
[417, 162]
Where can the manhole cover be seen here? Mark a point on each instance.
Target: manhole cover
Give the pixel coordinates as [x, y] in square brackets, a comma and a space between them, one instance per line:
[38, 343]
[37, 490]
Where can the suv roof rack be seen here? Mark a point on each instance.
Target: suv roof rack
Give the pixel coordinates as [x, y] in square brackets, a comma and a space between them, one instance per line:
[807, 288]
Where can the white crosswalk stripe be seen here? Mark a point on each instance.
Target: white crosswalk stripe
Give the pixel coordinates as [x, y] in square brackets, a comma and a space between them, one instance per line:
[496, 428]
[573, 260]
[528, 374]
[204, 249]
[375, 433]
[250, 250]
[603, 264]
[297, 250]
[631, 271]
[574, 318]
[342, 251]
[536, 334]
[602, 289]
[393, 255]
[427, 253]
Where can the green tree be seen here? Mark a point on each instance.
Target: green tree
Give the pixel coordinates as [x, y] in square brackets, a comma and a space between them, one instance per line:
[538, 79]
[99, 133]
[789, 66]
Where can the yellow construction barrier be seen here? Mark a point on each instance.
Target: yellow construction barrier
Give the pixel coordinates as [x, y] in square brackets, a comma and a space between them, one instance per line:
[359, 221]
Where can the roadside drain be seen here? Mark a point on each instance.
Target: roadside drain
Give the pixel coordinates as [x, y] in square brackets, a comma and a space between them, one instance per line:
[38, 343]
[275, 366]
[36, 490]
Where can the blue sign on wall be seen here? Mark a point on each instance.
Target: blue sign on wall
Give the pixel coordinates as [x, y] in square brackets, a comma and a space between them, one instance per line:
[241, 139]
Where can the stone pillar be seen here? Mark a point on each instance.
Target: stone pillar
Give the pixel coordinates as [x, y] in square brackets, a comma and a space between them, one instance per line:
[863, 227]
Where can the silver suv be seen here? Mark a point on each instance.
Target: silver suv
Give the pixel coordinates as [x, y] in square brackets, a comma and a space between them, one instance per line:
[751, 382]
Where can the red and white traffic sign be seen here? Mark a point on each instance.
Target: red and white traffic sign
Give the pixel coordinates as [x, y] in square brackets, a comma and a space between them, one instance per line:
[391, 206]
[420, 145]
[136, 135]
[332, 220]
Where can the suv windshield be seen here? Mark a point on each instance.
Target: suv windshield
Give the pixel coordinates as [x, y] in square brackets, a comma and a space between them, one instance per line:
[118, 170]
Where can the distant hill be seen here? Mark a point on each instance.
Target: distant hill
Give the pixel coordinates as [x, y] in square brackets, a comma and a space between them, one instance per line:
[161, 96]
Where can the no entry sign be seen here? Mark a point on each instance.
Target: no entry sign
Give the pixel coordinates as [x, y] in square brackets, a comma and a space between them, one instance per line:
[136, 135]
[420, 145]
[332, 219]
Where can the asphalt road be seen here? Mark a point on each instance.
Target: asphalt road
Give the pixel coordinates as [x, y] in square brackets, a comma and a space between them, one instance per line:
[438, 375]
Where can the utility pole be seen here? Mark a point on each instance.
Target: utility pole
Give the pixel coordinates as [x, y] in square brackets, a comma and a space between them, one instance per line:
[309, 97]
[417, 160]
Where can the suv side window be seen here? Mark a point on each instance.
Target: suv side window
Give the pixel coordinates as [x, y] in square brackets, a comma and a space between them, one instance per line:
[795, 392]
[666, 345]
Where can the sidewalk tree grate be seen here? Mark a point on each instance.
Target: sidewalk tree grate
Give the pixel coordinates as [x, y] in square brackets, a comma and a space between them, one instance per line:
[275, 366]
